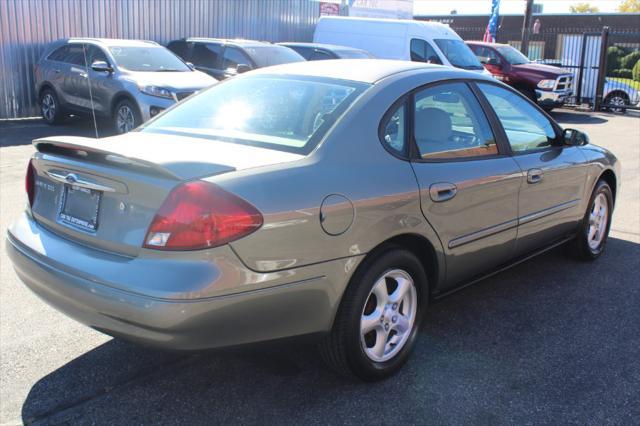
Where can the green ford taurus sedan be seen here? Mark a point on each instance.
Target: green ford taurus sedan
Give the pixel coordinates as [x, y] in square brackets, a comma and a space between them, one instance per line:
[331, 199]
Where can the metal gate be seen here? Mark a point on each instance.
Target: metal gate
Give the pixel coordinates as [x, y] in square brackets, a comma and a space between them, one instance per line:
[618, 87]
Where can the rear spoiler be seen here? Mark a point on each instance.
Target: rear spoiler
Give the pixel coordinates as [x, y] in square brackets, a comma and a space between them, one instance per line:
[88, 149]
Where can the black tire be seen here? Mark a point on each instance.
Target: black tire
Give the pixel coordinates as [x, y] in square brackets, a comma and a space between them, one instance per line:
[127, 105]
[619, 97]
[50, 108]
[580, 247]
[342, 350]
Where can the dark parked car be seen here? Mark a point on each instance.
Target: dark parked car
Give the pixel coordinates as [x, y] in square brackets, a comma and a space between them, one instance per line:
[226, 58]
[126, 81]
[547, 85]
[319, 51]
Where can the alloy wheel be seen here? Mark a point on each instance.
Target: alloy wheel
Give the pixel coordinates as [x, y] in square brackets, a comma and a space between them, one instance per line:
[617, 104]
[48, 107]
[598, 219]
[125, 120]
[388, 315]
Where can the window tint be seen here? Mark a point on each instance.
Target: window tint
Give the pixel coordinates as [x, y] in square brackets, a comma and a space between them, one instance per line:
[57, 54]
[305, 52]
[393, 132]
[207, 55]
[421, 51]
[449, 123]
[319, 55]
[265, 56]
[526, 127]
[180, 48]
[71, 54]
[234, 57]
[484, 54]
[94, 53]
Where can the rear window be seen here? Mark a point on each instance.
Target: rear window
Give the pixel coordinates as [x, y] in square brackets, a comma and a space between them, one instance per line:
[289, 114]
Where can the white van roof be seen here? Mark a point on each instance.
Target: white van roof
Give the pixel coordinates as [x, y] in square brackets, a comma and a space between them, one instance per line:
[438, 28]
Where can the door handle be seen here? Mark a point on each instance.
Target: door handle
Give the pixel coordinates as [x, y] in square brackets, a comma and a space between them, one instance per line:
[56, 71]
[534, 176]
[442, 191]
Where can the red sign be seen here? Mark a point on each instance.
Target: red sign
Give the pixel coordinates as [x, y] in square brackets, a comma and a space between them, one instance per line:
[329, 8]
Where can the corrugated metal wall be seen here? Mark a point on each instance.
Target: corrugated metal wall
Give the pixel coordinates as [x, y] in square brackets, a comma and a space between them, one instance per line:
[27, 26]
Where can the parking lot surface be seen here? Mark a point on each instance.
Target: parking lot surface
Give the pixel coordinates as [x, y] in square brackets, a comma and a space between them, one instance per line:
[549, 341]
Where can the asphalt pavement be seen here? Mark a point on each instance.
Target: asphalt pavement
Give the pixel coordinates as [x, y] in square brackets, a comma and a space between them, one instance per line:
[552, 340]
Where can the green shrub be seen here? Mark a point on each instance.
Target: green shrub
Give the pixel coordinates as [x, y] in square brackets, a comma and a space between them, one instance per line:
[636, 71]
[614, 57]
[622, 73]
[630, 60]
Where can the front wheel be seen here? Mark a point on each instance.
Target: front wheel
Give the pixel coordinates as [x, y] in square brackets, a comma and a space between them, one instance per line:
[378, 320]
[590, 242]
[125, 117]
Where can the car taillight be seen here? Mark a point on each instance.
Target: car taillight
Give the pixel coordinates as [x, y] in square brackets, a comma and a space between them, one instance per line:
[198, 215]
[30, 182]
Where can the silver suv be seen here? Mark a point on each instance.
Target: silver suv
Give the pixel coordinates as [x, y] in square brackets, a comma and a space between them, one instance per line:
[126, 81]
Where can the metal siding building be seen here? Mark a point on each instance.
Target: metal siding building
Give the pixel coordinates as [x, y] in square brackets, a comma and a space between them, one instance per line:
[28, 26]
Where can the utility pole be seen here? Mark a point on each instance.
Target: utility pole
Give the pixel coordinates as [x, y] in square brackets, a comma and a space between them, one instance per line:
[526, 28]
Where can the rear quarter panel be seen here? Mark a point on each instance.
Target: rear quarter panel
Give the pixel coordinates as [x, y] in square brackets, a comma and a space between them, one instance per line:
[382, 192]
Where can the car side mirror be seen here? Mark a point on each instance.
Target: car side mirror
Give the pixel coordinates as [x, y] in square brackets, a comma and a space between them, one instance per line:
[191, 66]
[240, 68]
[493, 61]
[573, 137]
[101, 66]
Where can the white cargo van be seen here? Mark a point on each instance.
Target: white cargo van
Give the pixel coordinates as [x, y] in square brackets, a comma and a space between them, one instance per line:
[399, 39]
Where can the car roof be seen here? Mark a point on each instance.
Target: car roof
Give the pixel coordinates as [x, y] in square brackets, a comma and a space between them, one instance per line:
[235, 41]
[333, 47]
[360, 70]
[113, 41]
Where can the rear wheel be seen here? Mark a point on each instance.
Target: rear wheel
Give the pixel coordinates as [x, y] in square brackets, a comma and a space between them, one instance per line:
[616, 102]
[378, 320]
[126, 117]
[590, 242]
[50, 107]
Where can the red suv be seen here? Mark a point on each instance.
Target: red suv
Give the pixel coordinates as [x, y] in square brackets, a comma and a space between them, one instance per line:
[547, 85]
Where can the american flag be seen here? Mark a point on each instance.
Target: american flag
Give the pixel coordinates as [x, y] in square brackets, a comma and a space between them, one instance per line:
[492, 27]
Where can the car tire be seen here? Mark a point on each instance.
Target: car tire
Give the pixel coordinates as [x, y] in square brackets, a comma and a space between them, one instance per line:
[50, 107]
[393, 321]
[591, 240]
[619, 99]
[125, 117]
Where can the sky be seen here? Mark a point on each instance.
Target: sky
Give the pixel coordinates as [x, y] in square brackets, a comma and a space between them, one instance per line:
[470, 7]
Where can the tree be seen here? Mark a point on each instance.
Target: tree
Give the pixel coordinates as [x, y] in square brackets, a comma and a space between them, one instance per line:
[629, 6]
[583, 8]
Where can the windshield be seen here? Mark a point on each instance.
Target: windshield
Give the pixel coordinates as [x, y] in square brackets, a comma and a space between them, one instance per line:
[512, 55]
[282, 113]
[265, 56]
[153, 58]
[459, 54]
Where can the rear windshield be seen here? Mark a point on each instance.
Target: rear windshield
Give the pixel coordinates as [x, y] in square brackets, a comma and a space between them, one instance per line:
[265, 56]
[153, 58]
[459, 54]
[285, 113]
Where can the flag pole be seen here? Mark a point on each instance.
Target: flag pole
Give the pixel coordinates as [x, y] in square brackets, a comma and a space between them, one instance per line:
[526, 28]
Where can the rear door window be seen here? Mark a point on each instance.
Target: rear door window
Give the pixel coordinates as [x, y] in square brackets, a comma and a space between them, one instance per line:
[422, 51]
[70, 54]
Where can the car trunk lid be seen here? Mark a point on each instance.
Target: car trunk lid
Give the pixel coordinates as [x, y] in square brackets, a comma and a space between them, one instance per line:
[105, 192]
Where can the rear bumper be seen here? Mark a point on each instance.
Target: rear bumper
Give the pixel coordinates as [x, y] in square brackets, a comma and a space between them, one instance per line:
[552, 98]
[289, 303]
